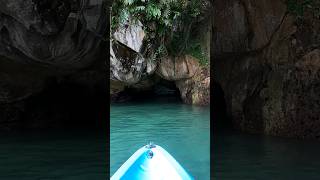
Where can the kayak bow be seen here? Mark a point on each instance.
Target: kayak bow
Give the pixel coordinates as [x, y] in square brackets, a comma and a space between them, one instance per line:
[151, 162]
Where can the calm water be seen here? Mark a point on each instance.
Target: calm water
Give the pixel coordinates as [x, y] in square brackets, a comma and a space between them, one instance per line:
[182, 130]
[48, 156]
[251, 157]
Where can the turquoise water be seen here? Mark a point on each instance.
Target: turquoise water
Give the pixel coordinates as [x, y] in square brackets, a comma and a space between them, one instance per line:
[53, 155]
[183, 130]
[250, 157]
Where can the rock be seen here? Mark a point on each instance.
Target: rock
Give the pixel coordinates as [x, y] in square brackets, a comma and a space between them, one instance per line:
[177, 68]
[273, 87]
[45, 41]
[126, 65]
[131, 35]
[116, 87]
[231, 31]
[30, 32]
[245, 25]
[291, 99]
[196, 90]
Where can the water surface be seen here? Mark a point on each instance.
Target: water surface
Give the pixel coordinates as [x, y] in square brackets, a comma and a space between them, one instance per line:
[253, 157]
[53, 155]
[183, 130]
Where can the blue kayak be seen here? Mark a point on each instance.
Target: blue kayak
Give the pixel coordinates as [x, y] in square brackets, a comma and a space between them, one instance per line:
[151, 162]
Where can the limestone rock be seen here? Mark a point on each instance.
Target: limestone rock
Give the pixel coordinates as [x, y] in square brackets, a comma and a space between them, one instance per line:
[126, 65]
[177, 68]
[273, 87]
[245, 25]
[131, 34]
[196, 90]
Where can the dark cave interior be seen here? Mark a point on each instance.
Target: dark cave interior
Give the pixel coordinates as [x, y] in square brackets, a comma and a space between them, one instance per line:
[162, 90]
[67, 106]
[219, 116]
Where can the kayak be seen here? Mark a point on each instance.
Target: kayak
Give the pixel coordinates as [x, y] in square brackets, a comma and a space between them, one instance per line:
[151, 162]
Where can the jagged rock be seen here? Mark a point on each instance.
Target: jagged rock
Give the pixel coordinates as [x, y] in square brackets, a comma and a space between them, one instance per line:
[126, 65]
[131, 35]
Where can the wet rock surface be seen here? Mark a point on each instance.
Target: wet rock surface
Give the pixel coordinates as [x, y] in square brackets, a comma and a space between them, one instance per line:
[268, 68]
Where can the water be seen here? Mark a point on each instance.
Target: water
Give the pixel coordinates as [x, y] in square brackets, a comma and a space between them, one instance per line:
[182, 130]
[250, 157]
[53, 155]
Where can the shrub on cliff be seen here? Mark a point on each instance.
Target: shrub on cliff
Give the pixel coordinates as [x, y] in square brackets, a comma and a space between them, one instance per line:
[167, 23]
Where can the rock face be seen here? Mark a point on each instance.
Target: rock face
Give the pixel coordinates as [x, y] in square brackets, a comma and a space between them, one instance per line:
[245, 25]
[268, 67]
[127, 63]
[45, 41]
[52, 32]
[177, 68]
[192, 80]
[129, 67]
[196, 90]
[131, 35]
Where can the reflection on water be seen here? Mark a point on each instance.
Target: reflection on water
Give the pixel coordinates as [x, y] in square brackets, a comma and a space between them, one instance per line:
[182, 130]
[245, 157]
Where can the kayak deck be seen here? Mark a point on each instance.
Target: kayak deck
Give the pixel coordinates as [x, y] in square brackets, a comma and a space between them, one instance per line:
[151, 162]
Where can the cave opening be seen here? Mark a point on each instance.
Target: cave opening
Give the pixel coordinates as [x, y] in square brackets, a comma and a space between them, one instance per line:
[67, 106]
[221, 121]
[161, 90]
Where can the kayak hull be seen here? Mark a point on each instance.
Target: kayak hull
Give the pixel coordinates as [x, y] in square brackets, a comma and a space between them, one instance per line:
[151, 163]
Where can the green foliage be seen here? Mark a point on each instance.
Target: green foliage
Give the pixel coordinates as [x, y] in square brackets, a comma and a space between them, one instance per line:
[196, 51]
[299, 7]
[167, 22]
[161, 12]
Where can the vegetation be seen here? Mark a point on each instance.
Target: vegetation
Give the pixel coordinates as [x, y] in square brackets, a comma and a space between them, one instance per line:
[196, 51]
[167, 24]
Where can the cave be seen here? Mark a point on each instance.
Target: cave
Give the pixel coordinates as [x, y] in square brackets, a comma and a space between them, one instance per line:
[221, 121]
[65, 105]
[162, 90]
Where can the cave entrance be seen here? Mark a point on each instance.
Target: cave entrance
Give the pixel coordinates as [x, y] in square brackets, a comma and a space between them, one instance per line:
[162, 90]
[219, 108]
[67, 106]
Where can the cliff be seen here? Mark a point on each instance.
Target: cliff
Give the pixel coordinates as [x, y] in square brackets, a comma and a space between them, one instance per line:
[132, 66]
[267, 59]
[48, 46]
